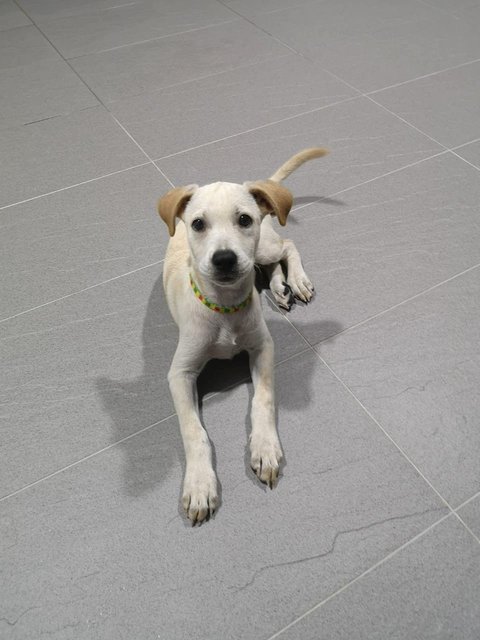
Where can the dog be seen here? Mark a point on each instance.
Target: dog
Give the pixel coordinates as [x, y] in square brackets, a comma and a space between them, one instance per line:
[219, 233]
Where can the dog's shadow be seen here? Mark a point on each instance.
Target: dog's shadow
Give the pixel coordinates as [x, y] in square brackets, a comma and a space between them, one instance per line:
[136, 404]
[301, 201]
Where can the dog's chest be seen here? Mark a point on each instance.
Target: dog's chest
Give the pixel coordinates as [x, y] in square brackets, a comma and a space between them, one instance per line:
[227, 344]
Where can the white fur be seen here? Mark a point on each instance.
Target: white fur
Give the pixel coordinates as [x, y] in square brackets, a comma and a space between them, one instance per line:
[205, 334]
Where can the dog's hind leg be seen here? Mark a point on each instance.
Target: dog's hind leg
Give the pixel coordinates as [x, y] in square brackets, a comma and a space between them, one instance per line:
[272, 251]
[297, 279]
[278, 286]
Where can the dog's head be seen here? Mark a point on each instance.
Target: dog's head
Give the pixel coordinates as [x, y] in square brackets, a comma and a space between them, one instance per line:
[223, 223]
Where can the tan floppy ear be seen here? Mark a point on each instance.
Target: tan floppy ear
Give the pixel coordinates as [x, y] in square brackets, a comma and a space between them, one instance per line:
[272, 198]
[173, 203]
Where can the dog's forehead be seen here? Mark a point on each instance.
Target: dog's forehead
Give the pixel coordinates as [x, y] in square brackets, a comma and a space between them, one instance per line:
[221, 195]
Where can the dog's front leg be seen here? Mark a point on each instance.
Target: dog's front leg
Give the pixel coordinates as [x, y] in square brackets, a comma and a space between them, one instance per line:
[266, 452]
[199, 497]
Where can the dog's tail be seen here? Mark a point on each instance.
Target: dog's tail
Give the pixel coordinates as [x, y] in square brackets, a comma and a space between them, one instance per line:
[296, 161]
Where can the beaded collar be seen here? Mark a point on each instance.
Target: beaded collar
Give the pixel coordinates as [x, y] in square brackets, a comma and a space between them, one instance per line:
[219, 308]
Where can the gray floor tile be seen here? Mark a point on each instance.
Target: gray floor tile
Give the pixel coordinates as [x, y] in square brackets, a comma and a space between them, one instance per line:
[374, 44]
[251, 8]
[39, 91]
[416, 369]
[11, 16]
[49, 9]
[468, 10]
[365, 142]
[381, 243]
[457, 8]
[63, 362]
[470, 513]
[304, 25]
[23, 46]
[471, 152]
[428, 590]
[106, 28]
[101, 549]
[62, 243]
[91, 369]
[93, 544]
[220, 105]
[153, 65]
[445, 106]
[35, 83]
[62, 151]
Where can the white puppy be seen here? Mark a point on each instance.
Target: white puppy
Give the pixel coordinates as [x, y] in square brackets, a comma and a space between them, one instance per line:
[224, 230]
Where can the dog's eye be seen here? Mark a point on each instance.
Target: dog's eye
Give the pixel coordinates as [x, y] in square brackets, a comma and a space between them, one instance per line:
[198, 224]
[245, 220]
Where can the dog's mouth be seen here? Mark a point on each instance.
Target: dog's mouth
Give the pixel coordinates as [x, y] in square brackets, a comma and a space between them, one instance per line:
[226, 278]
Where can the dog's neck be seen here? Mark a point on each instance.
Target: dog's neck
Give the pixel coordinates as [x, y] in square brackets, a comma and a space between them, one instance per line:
[225, 295]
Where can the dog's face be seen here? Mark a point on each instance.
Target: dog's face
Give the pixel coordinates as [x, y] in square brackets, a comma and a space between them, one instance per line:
[223, 224]
[223, 228]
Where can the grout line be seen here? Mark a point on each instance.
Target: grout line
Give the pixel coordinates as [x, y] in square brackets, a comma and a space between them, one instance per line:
[427, 75]
[100, 101]
[464, 159]
[72, 186]
[303, 206]
[359, 93]
[446, 148]
[154, 39]
[361, 184]
[450, 150]
[362, 575]
[406, 122]
[460, 519]
[475, 495]
[119, 6]
[399, 304]
[284, 44]
[369, 414]
[309, 347]
[136, 433]
[262, 126]
[74, 293]
[141, 149]
[465, 144]
[366, 95]
[347, 388]
[245, 65]
[452, 511]
[389, 437]
[153, 162]
[59, 53]
[91, 455]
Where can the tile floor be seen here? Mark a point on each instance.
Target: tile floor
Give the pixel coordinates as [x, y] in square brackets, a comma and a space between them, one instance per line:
[374, 529]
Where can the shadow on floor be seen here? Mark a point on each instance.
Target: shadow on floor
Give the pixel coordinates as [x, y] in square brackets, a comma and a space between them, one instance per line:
[143, 401]
[301, 200]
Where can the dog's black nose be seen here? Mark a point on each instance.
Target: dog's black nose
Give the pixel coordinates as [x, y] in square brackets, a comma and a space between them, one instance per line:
[224, 260]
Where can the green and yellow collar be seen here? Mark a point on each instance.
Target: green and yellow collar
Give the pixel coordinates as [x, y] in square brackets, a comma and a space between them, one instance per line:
[219, 308]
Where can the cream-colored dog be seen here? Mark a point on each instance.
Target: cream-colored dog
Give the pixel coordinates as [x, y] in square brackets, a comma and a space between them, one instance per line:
[224, 230]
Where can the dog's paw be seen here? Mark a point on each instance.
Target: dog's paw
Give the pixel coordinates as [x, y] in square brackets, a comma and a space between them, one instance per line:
[266, 457]
[200, 497]
[300, 285]
[283, 295]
